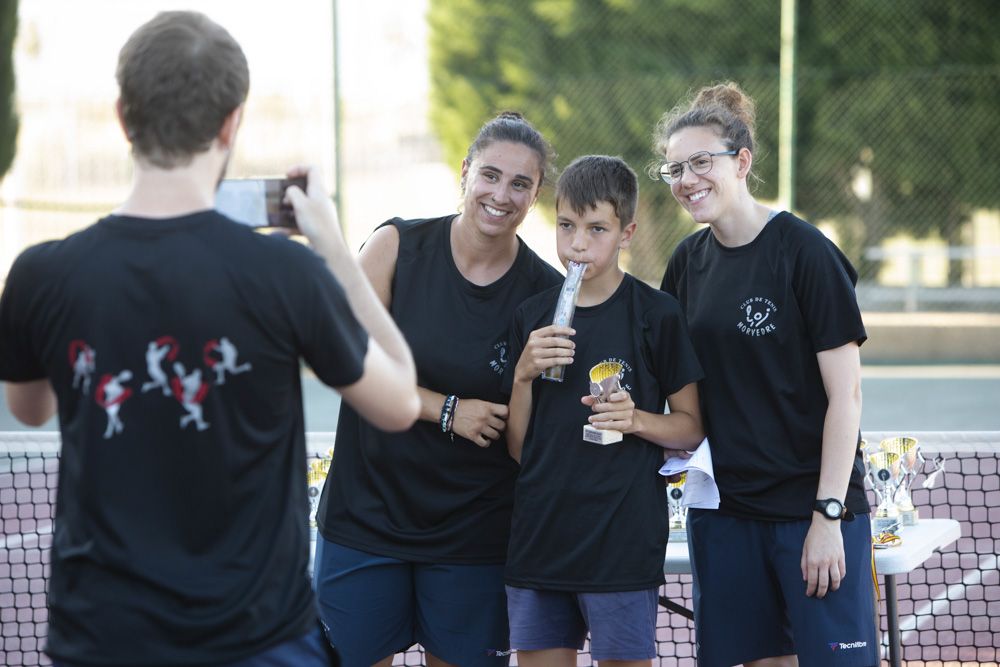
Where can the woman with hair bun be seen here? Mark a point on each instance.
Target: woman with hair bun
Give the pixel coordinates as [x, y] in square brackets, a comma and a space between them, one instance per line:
[414, 526]
[782, 570]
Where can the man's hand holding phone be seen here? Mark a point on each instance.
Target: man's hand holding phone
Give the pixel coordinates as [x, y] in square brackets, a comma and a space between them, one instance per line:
[315, 215]
[258, 202]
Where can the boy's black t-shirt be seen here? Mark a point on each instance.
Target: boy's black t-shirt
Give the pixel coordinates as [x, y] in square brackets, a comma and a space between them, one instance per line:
[174, 346]
[420, 495]
[587, 517]
[759, 314]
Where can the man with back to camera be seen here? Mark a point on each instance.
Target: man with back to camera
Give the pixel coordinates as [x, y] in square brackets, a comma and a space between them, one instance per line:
[184, 541]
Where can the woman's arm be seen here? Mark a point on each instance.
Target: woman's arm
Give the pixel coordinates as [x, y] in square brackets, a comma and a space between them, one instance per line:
[823, 552]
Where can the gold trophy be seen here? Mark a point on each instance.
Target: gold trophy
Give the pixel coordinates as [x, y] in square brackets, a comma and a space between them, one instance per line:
[678, 511]
[316, 478]
[604, 381]
[884, 475]
[910, 464]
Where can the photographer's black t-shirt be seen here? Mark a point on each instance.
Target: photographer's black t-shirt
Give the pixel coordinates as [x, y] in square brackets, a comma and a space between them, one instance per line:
[759, 314]
[174, 347]
[419, 495]
[588, 517]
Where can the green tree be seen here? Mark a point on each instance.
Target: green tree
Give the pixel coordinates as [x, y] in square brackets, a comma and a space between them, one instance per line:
[907, 91]
[909, 94]
[8, 112]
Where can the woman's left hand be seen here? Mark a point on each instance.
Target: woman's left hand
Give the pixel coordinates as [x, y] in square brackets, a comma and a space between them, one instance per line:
[823, 564]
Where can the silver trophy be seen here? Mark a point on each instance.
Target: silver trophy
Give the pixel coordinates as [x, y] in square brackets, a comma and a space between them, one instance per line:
[605, 379]
[885, 476]
[565, 307]
[678, 510]
[316, 478]
[911, 462]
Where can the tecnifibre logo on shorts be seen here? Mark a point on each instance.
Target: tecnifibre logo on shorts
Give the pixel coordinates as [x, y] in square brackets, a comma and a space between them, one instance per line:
[842, 645]
[498, 653]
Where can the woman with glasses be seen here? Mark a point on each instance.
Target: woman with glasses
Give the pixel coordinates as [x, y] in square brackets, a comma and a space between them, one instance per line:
[414, 526]
[782, 570]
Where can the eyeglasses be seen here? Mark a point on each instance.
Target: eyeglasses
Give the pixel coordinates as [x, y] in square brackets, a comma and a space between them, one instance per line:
[699, 163]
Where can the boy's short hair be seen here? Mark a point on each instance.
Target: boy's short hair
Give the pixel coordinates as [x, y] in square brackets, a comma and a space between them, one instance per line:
[180, 75]
[594, 178]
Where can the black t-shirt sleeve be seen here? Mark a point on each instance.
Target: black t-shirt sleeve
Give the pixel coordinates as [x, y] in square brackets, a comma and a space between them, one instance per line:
[331, 340]
[671, 274]
[20, 360]
[823, 282]
[675, 361]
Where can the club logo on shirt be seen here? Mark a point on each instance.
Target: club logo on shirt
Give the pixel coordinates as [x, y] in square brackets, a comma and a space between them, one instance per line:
[500, 361]
[757, 316]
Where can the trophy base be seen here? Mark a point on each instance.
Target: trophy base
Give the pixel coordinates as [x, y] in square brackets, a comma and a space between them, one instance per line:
[883, 523]
[678, 535]
[909, 517]
[601, 436]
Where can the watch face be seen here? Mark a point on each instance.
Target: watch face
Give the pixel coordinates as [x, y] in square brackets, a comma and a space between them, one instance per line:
[833, 509]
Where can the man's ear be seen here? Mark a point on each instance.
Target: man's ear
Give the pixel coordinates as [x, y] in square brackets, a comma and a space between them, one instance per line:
[120, 114]
[227, 133]
[627, 234]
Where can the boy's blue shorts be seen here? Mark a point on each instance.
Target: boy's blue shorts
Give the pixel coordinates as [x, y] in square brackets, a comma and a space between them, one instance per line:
[750, 599]
[622, 625]
[375, 606]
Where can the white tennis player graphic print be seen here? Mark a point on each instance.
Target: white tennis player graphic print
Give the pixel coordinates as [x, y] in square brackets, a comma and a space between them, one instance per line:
[83, 360]
[163, 348]
[221, 355]
[111, 395]
[190, 391]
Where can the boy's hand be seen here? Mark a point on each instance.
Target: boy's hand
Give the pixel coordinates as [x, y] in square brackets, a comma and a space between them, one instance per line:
[481, 422]
[546, 347]
[617, 413]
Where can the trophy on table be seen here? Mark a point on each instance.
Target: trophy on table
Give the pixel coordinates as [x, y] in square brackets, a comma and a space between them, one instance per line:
[678, 511]
[910, 464]
[316, 478]
[885, 475]
[604, 381]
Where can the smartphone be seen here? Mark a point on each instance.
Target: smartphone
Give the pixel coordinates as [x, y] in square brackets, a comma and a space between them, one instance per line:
[257, 202]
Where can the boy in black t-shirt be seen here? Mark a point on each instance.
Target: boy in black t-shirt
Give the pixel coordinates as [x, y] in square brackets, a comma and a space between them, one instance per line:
[590, 521]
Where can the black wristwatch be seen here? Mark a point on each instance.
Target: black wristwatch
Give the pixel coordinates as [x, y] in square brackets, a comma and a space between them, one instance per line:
[833, 509]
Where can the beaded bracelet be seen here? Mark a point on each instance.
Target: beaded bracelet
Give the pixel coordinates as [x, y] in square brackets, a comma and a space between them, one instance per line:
[448, 414]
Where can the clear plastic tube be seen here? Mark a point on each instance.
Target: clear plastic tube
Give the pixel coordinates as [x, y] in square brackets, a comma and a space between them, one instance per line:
[565, 307]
